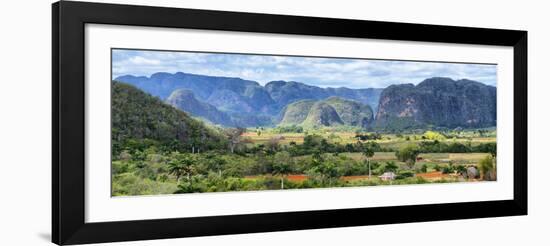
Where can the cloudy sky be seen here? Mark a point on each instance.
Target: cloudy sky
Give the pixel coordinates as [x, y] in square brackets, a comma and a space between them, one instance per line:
[323, 72]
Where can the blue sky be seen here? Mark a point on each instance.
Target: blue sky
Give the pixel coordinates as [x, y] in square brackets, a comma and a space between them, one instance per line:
[323, 72]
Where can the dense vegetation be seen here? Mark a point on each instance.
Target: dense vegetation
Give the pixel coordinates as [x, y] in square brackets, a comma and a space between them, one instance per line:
[158, 149]
[139, 119]
[149, 167]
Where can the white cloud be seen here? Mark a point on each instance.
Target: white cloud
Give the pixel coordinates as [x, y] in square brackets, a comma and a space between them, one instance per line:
[334, 72]
[138, 60]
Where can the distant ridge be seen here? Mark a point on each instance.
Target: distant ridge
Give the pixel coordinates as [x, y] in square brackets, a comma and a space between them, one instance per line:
[438, 101]
[185, 100]
[247, 102]
[229, 101]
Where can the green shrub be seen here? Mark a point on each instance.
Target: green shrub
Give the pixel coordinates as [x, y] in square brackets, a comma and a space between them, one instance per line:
[404, 174]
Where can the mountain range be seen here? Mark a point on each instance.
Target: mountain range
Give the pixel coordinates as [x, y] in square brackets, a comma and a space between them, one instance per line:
[235, 102]
[245, 102]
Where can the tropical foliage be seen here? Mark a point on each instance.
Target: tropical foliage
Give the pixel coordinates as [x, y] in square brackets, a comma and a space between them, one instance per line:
[159, 149]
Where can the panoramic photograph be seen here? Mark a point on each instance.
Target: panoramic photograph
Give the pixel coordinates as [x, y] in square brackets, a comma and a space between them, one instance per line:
[196, 122]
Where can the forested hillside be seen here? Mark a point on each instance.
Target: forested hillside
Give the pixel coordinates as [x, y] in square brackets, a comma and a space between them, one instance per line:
[137, 116]
[333, 111]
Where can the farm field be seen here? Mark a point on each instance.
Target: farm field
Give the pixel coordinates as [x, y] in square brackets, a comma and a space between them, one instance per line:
[270, 160]
[388, 140]
[431, 158]
[429, 176]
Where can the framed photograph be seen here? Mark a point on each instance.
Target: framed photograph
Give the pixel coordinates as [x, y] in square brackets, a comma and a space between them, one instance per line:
[175, 122]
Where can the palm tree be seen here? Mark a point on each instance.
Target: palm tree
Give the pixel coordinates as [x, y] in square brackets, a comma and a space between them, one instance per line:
[329, 171]
[390, 167]
[408, 155]
[282, 169]
[368, 152]
[283, 164]
[182, 165]
[215, 162]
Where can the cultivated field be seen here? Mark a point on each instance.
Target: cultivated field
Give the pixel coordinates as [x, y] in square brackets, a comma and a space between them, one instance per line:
[388, 140]
[265, 159]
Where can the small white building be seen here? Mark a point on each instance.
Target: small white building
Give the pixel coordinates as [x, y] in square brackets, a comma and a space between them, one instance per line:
[387, 176]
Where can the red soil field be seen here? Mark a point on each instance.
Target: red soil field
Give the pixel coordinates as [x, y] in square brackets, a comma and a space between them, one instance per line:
[303, 177]
[432, 175]
[297, 177]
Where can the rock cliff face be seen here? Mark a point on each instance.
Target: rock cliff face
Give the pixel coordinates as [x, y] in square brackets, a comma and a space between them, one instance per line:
[441, 102]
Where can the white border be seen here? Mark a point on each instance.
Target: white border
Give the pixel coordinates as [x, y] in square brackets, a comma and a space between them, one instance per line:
[101, 207]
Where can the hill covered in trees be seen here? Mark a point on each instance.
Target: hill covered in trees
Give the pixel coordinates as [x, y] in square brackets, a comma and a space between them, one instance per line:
[137, 116]
[333, 111]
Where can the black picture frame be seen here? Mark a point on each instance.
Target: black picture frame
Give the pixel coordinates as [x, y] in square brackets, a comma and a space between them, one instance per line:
[68, 122]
